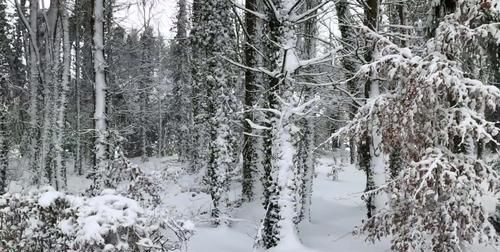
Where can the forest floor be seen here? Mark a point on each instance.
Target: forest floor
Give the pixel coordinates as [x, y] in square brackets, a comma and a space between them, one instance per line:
[337, 208]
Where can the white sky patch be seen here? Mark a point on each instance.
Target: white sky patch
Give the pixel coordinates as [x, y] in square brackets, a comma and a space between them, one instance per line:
[160, 14]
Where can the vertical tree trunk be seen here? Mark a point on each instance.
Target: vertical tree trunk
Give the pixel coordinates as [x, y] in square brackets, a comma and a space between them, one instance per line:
[4, 145]
[279, 223]
[249, 141]
[78, 159]
[199, 96]
[305, 148]
[346, 31]
[377, 165]
[402, 21]
[221, 100]
[181, 90]
[60, 167]
[34, 83]
[160, 128]
[101, 153]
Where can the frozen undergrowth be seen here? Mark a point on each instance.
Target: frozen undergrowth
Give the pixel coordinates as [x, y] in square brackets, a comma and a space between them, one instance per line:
[337, 209]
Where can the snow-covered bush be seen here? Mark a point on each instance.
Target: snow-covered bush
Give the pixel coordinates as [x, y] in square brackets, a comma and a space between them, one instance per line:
[128, 179]
[31, 222]
[438, 114]
[47, 220]
[436, 204]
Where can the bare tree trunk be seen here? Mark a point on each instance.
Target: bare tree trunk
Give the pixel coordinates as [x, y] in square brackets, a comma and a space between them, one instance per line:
[278, 225]
[60, 167]
[376, 172]
[101, 153]
[160, 128]
[34, 83]
[306, 140]
[344, 19]
[78, 160]
[4, 145]
[250, 141]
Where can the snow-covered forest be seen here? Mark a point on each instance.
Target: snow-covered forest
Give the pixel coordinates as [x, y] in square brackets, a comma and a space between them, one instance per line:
[253, 125]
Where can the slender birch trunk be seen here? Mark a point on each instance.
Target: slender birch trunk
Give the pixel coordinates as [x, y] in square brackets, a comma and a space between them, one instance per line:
[101, 154]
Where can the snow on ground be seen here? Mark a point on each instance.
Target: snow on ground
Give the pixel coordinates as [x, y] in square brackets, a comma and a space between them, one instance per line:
[337, 209]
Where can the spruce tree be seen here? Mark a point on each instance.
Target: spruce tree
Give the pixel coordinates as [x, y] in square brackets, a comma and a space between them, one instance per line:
[181, 90]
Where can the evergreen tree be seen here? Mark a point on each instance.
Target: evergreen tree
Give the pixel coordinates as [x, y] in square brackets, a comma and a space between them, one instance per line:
[181, 91]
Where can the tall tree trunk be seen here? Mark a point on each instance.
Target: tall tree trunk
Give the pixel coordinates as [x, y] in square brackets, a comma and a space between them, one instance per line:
[376, 172]
[199, 94]
[4, 144]
[249, 140]
[306, 135]
[181, 90]
[78, 159]
[220, 93]
[60, 167]
[52, 49]
[344, 18]
[34, 85]
[279, 223]
[101, 152]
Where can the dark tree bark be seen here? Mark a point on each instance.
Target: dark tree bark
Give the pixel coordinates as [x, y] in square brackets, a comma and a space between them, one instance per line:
[249, 141]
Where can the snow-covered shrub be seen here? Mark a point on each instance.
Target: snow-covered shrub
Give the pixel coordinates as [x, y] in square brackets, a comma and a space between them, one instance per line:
[166, 234]
[128, 179]
[435, 204]
[31, 222]
[135, 183]
[438, 113]
[47, 220]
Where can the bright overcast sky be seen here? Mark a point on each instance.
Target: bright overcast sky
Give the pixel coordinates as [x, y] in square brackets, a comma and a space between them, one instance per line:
[130, 15]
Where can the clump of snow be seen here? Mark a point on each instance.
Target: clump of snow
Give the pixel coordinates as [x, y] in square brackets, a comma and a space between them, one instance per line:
[48, 198]
[188, 225]
[108, 222]
[292, 61]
